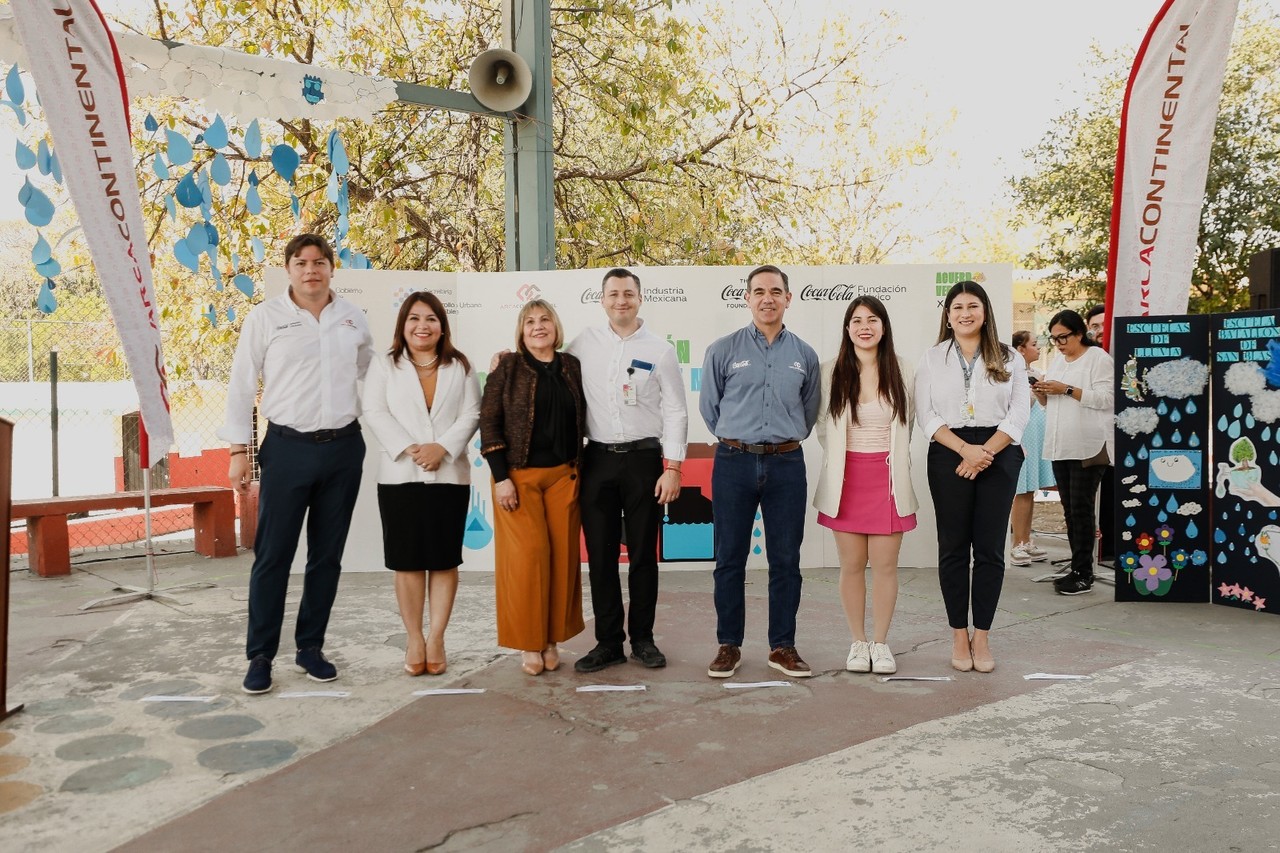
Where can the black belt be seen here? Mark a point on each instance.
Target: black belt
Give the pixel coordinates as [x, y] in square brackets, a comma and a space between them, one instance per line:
[628, 446]
[760, 449]
[320, 436]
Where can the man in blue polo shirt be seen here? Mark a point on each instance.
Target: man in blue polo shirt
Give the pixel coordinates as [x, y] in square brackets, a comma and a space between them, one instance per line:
[759, 397]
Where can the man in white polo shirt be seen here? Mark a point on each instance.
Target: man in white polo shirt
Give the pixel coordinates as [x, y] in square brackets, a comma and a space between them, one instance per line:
[310, 347]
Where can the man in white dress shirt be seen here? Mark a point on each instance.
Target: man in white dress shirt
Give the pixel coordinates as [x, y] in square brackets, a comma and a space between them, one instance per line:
[310, 347]
[637, 426]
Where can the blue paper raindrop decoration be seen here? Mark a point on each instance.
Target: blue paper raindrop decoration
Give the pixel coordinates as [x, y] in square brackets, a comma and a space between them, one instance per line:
[220, 170]
[1192, 530]
[1162, 516]
[244, 284]
[25, 157]
[285, 161]
[211, 234]
[1162, 409]
[253, 201]
[50, 268]
[1172, 505]
[1154, 501]
[253, 178]
[1191, 407]
[159, 166]
[180, 150]
[150, 123]
[337, 154]
[1130, 521]
[1222, 557]
[1175, 416]
[45, 300]
[1194, 441]
[253, 140]
[55, 168]
[1249, 422]
[1222, 423]
[211, 315]
[188, 193]
[186, 257]
[1239, 410]
[197, 239]
[235, 262]
[331, 188]
[215, 136]
[171, 206]
[1234, 429]
[1128, 460]
[1176, 438]
[44, 158]
[1142, 452]
[1266, 433]
[41, 252]
[217, 277]
[1219, 536]
[258, 251]
[1157, 441]
[13, 85]
[37, 207]
[231, 315]
[1274, 460]
[296, 207]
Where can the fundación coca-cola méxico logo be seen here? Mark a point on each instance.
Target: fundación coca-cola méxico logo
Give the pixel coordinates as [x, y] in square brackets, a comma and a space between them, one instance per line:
[848, 292]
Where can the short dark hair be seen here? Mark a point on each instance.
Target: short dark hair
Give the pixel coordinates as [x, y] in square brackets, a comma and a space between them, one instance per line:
[1020, 338]
[1094, 312]
[619, 272]
[1074, 324]
[297, 244]
[786, 282]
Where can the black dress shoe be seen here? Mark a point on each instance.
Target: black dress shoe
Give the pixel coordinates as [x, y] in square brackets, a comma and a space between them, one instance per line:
[648, 655]
[599, 658]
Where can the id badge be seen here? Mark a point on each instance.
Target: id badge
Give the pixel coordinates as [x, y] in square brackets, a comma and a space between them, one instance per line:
[966, 410]
[629, 396]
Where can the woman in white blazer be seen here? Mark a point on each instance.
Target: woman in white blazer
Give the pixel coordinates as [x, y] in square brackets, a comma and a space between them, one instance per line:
[421, 401]
[864, 490]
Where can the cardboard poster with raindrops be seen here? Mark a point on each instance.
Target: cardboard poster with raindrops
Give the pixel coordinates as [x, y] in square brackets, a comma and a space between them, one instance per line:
[1246, 479]
[1162, 458]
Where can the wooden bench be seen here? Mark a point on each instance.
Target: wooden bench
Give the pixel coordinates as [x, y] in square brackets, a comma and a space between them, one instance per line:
[213, 510]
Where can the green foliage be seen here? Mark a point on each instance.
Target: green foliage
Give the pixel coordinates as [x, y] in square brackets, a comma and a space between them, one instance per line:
[1243, 453]
[1068, 193]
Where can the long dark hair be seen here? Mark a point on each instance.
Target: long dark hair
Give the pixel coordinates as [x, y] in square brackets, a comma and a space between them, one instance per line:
[844, 378]
[445, 350]
[1075, 325]
[995, 355]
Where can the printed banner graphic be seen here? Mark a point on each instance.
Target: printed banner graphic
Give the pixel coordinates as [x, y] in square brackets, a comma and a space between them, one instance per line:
[1246, 435]
[1166, 132]
[1162, 500]
[72, 57]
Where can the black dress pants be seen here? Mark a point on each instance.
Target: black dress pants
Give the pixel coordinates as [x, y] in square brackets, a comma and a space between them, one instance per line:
[617, 491]
[972, 517]
[1077, 489]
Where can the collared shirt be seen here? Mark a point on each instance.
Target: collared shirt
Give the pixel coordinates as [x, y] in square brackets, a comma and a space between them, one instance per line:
[942, 399]
[1075, 429]
[646, 362]
[309, 367]
[758, 392]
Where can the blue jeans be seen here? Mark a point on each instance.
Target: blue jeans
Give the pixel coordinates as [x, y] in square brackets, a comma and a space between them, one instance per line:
[741, 482]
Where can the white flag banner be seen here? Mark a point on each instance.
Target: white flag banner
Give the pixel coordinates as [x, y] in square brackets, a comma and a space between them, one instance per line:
[72, 58]
[1166, 132]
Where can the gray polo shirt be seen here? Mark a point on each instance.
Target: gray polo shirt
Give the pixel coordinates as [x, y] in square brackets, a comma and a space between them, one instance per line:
[760, 393]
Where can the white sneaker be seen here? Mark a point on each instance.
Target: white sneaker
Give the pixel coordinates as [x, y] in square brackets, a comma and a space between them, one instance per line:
[882, 662]
[1019, 556]
[859, 659]
[1034, 552]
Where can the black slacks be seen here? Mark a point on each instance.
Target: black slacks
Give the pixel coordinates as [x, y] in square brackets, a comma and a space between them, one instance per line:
[1077, 488]
[972, 517]
[617, 491]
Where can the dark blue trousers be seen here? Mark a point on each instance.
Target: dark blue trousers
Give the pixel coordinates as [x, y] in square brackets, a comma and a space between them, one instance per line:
[300, 478]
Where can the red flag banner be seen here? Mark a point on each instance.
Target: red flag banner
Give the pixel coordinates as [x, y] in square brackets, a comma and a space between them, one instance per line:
[72, 57]
[1166, 132]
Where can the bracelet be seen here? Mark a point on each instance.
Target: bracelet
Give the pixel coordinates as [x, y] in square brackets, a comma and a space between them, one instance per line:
[239, 453]
[673, 468]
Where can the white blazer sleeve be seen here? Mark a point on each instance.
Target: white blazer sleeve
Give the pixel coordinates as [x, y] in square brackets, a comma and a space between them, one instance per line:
[454, 438]
[377, 416]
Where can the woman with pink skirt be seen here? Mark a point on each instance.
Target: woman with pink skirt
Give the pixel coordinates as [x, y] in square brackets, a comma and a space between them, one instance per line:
[864, 492]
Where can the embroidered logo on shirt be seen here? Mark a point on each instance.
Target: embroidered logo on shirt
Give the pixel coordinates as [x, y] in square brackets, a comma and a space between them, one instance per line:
[746, 362]
[795, 365]
[349, 323]
[292, 325]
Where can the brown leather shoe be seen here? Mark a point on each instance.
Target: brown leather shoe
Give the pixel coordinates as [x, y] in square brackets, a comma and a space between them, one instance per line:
[727, 661]
[788, 660]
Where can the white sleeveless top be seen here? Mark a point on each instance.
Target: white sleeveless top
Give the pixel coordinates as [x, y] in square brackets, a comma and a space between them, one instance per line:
[871, 433]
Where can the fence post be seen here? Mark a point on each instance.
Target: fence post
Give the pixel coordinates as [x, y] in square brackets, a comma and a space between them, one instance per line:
[53, 412]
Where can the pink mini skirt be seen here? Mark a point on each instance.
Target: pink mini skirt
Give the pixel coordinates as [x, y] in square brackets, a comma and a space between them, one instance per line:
[865, 503]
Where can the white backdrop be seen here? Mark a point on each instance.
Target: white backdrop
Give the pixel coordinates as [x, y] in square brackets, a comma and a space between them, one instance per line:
[692, 306]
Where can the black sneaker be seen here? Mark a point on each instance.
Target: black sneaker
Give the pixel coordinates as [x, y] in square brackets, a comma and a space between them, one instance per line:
[313, 663]
[258, 679]
[648, 655]
[1073, 584]
[599, 658]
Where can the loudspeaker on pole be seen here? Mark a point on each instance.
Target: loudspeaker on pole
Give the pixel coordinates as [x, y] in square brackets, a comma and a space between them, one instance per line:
[500, 80]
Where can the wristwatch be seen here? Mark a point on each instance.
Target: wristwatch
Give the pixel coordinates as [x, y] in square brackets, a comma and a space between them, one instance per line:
[1068, 391]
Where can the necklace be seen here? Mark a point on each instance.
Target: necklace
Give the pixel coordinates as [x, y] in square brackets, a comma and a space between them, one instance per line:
[428, 364]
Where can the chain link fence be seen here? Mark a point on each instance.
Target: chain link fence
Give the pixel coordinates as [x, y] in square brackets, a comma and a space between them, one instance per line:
[65, 385]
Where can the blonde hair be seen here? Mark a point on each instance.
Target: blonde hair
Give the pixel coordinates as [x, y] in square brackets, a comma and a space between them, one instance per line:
[527, 309]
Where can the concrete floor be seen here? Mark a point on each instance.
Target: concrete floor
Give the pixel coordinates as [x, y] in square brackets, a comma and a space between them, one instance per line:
[1171, 743]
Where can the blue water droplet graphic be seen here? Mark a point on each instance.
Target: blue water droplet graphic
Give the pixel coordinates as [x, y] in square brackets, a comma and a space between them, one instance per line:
[1192, 530]
[1172, 505]
[1162, 516]
[1242, 530]
[1249, 515]
[1274, 459]
[1142, 452]
[1195, 440]
[1238, 411]
[1128, 460]
[1155, 501]
[1266, 433]
[1222, 424]
[1177, 437]
[757, 550]
[1249, 421]
[1219, 536]
[1130, 521]
[1222, 557]
[1191, 407]
[1162, 409]
[1176, 416]
[1234, 429]
[1157, 441]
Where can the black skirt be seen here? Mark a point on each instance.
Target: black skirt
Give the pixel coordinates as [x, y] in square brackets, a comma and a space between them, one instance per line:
[422, 525]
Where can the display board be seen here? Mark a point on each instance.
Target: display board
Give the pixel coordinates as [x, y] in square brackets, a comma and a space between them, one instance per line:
[1162, 478]
[1246, 434]
[691, 307]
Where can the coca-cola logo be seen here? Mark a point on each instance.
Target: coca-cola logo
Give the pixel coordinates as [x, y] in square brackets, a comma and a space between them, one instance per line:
[589, 296]
[733, 293]
[849, 292]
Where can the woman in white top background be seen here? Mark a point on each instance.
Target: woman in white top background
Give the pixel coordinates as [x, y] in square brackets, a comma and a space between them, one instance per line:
[972, 400]
[1037, 471]
[1079, 396]
[422, 402]
[864, 492]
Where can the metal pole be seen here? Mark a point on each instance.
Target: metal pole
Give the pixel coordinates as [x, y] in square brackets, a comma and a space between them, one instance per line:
[527, 144]
[31, 354]
[53, 412]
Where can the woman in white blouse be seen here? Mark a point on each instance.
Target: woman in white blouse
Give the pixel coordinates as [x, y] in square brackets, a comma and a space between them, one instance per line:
[421, 401]
[972, 400]
[1078, 394]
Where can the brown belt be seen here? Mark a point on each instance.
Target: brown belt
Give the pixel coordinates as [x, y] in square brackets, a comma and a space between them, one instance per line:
[760, 449]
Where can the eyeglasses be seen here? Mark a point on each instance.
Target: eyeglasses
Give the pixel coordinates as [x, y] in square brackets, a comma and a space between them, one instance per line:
[1059, 340]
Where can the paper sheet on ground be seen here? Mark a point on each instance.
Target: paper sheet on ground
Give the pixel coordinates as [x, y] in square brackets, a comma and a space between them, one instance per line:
[160, 698]
[316, 694]
[610, 688]
[447, 691]
[916, 678]
[746, 684]
[1051, 676]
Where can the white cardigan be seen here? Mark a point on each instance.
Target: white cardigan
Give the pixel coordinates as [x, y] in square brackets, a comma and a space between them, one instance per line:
[395, 411]
[833, 436]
